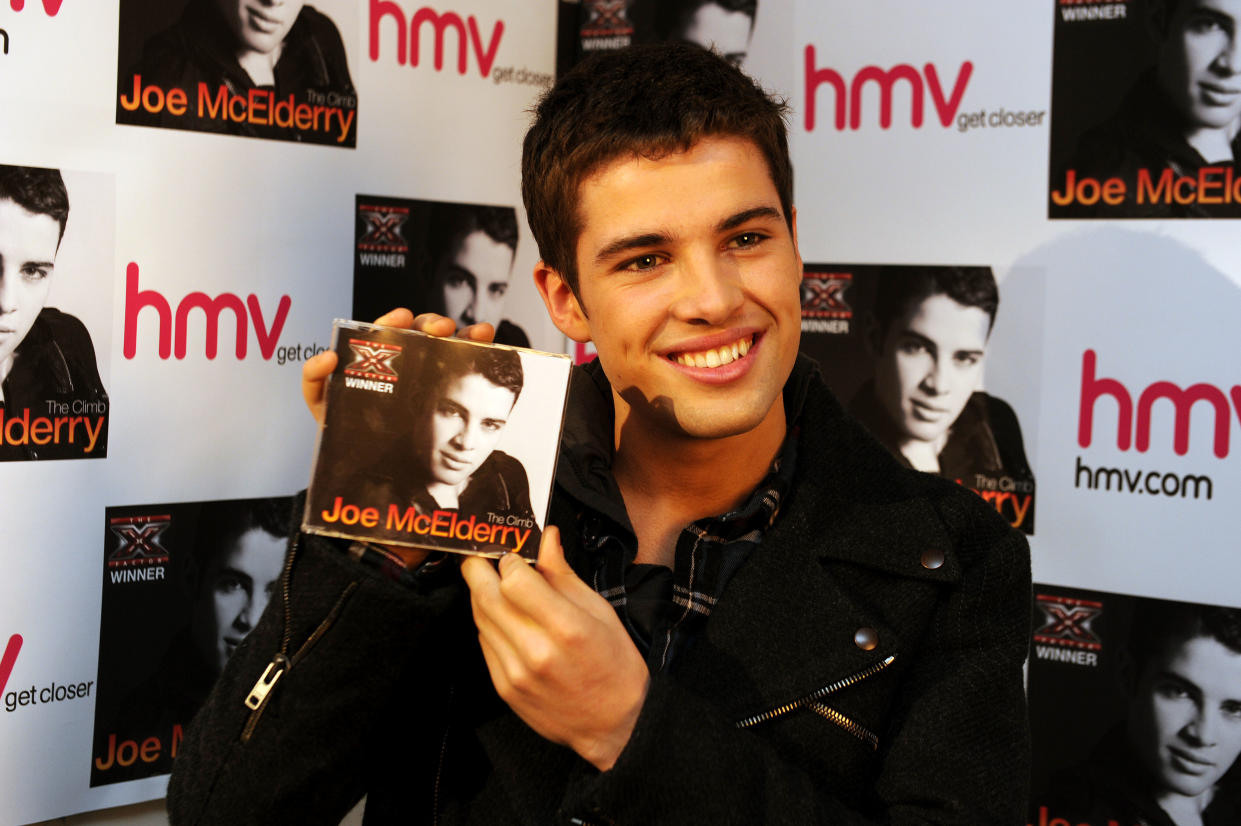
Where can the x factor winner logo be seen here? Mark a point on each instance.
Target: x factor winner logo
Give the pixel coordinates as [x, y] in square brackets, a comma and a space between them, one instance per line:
[608, 14]
[1068, 622]
[383, 228]
[139, 537]
[823, 295]
[373, 360]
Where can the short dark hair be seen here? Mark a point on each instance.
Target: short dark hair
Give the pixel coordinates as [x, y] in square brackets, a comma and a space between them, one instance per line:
[672, 16]
[498, 365]
[222, 523]
[448, 223]
[37, 190]
[900, 288]
[1159, 624]
[645, 101]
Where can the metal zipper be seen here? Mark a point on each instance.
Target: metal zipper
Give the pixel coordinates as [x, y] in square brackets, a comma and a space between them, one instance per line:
[811, 700]
[281, 663]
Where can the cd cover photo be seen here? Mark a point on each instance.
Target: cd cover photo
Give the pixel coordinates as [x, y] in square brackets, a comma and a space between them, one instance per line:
[904, 348]
[437, 443]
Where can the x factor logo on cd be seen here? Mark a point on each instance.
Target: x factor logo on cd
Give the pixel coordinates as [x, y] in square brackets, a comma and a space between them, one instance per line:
[1068, 622]
[823, 295]
[383, 228]
[139, 540]
[373, 360]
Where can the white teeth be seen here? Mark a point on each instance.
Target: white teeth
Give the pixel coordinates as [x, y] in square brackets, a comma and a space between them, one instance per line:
[715, 358]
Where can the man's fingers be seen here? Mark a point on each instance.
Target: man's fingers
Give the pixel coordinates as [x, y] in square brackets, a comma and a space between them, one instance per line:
[564, 580]
[314, 381]
[434, 324]
[400, 317]
[483, 332]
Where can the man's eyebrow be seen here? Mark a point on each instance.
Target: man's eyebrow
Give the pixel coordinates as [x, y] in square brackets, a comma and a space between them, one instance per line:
[229, 570]
[43, 265]
[734, 221]
[629, 242]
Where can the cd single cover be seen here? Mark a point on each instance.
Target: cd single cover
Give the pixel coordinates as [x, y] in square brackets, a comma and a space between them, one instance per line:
[437, 443]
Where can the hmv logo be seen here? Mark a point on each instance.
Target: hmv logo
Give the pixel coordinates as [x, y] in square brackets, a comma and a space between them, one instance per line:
[173, 325]
[1131, 418]
[50, 7]
[848, 95]
[9, 658]
[410, 40]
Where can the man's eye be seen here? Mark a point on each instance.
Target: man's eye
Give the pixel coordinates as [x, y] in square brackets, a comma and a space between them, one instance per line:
[748, 239]
[1232, 708]
[448, 411]
[34, 273]
[455, 279]
[967, 359]
[497, 290]
[492, 427]
[228, 585]
[644, 262]
[1203, 24]
[1172, 691]
[911, 348]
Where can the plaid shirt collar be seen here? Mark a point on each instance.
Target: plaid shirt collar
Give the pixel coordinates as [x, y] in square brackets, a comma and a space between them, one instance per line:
[708, 551]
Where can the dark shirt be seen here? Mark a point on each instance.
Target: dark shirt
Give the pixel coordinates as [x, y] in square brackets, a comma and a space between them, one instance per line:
[55, 363]
[663, 608]
[1145, 133]
[200, 48]
[1113, 786]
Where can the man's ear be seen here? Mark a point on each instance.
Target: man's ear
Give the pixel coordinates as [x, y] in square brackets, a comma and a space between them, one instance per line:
[561, 302]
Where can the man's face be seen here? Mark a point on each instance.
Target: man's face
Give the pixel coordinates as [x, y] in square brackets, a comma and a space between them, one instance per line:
[714, 27]
[235, 590]
[28, 243]
[1185, 716]
[689, 277]
[474, 279]
[260, 25]
[930, 362]
[466, 422]
[1199, 61]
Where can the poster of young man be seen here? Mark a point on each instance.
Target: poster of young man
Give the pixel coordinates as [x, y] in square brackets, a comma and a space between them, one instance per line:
[905, 348]
[1146, 110]
[434, 256]
[183, 585]
[238, 67]
[56, 244]
[604, 25]
[1135, 710]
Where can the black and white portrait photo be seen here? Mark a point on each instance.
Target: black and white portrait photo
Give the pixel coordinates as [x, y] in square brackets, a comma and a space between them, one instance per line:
[53, 401]
[905, 348]
[1146, 111]
[435, 256]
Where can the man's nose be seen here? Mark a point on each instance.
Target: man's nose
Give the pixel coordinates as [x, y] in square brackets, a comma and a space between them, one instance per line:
[709, 291]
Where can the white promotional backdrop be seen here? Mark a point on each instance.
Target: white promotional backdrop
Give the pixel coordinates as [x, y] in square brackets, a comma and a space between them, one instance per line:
[1155, 301]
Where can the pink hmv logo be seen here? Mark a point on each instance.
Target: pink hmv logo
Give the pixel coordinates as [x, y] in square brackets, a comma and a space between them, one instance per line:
[49, 6]
[9, 657]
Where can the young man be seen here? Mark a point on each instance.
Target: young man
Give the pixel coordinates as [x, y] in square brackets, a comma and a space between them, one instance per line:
[1173, 761]
[929, 338]
[45, 355]
[756, 615]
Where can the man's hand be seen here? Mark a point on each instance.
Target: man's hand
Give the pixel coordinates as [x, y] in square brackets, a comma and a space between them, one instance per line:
[317, 368]
[557, 652]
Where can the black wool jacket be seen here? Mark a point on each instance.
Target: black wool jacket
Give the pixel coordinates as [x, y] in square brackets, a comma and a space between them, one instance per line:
[864, 665]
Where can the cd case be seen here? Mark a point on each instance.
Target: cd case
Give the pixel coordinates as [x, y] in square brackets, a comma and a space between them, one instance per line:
[437, 443]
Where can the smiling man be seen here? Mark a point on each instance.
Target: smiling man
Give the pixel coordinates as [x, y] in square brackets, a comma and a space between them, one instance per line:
[756, 614]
